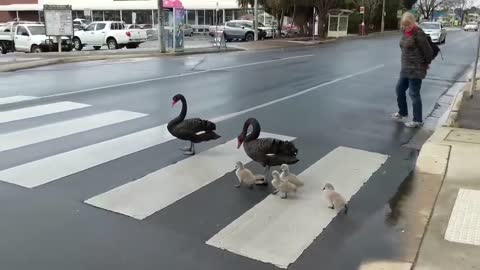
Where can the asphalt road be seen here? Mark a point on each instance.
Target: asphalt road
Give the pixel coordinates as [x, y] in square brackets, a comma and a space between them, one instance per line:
[334, 95]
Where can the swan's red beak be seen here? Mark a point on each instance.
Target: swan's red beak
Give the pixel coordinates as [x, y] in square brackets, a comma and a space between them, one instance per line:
[173, 103]
[239, 143]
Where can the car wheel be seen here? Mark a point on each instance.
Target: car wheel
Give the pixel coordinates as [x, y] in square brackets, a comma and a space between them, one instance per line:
[3, 50]
[97, 48]
[35, 49]
[112, 44]
[249, 37]
[77, 44]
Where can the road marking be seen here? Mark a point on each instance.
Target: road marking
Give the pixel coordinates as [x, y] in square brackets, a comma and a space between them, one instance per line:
[174, 76]
[278, 231]
[57, 130]
[464, 224]
[40, 110]
[143, 197]
[33, 174]
[52, 168]
[15, 99]
[221, 118]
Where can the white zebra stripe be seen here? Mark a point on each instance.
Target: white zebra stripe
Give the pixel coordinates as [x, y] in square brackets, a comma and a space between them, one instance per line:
[40, 110]
[15, 99]
[143, 197]
[278, 231]
[30, 136]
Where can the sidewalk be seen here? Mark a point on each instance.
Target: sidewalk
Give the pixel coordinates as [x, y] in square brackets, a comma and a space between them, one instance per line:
[451, 159]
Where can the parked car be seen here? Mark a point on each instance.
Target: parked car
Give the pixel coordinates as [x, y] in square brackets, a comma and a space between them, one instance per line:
[31, 38]
[77, 23]
[110, 33]
[187, 30]
[471, 26]
[435, 30]
[238, 29]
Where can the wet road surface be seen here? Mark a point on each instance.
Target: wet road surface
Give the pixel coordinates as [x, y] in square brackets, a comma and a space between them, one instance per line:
[335, 95]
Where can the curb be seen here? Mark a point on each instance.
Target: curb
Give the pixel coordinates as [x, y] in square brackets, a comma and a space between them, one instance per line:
[85, 58]
[455, 110]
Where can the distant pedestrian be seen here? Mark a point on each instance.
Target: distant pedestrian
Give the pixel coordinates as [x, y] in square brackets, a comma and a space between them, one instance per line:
[417, 54]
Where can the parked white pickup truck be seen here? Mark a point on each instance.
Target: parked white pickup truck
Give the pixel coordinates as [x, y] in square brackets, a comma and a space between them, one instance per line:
[30, 37]
[110, 33]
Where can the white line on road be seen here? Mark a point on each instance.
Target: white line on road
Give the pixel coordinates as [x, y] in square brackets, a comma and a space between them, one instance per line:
[40, 110]
[278, 231]
[296, 94]
[35, 173]
[52, 168]
[30, 136]
[143, 197]
[15, 99]
[174, 76]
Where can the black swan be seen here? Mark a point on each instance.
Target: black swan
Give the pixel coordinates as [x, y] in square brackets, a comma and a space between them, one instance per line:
[266, 151]
[194, 130]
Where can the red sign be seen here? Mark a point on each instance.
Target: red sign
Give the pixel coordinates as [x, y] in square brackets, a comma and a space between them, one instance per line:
[362, 10]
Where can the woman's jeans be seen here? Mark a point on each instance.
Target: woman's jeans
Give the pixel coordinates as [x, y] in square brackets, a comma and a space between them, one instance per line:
[414, 86]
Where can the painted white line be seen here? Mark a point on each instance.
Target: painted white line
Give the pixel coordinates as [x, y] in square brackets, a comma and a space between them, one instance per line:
[40, 110]
[221, 118]
[84, 158]
[464, 224]
[52, 168]
[57, 130]
[278, 231]
[175, 76]
[143, 197]
[15, 99]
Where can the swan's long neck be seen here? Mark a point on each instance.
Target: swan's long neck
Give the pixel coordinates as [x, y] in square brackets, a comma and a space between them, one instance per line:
[183, 113]
[255, 132]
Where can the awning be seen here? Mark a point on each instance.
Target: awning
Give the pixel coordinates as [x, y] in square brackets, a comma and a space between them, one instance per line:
[21, 7]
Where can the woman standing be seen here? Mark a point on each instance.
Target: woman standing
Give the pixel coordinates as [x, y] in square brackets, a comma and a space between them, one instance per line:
[417, 54]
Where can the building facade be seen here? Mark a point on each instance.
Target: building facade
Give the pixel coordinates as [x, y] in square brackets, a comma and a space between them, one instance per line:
[199, 13]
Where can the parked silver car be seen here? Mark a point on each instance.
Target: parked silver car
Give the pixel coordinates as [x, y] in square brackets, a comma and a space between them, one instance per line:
[435, 30]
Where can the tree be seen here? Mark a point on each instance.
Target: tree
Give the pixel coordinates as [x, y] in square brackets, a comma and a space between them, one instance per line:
[321, 8]
[408, 4]
[427, 7]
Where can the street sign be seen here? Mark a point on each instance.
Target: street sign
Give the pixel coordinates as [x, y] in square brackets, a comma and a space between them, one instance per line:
[362, 10]
[87, 12]
[399, 13]
[134, 18]
[58, 20]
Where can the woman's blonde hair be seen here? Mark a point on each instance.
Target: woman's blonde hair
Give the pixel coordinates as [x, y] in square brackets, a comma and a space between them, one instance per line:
[408, 17]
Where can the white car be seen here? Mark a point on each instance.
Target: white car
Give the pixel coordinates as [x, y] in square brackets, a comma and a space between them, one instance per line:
[110, 33]
[31, 38]
[471, 26]
[435, 30]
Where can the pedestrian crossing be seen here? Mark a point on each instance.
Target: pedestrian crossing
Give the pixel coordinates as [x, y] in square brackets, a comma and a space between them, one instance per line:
[141, 198]
[278, 231]
[273, 231]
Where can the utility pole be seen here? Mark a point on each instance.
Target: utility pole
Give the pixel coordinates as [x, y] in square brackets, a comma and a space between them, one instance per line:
[474, 75]
[383, 17]
[161, 26]
[255, 21]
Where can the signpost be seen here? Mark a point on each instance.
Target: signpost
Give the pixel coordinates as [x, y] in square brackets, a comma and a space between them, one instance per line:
[58, 22]
[134, 18]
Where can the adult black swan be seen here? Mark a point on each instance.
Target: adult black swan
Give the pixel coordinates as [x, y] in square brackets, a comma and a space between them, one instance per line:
[194, 130]
[266, 151]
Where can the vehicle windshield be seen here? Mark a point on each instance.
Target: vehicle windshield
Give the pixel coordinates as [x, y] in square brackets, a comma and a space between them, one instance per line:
[37, 30]
[430, 26]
